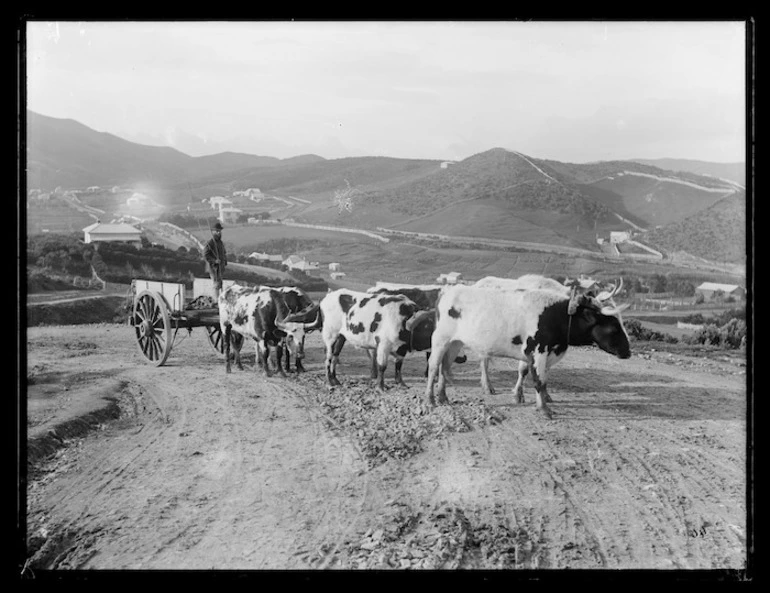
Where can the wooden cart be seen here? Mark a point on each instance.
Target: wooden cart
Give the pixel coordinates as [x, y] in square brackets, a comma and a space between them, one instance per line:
[161, 309]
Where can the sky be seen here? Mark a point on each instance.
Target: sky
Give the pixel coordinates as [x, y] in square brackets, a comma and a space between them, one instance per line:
[577, 91]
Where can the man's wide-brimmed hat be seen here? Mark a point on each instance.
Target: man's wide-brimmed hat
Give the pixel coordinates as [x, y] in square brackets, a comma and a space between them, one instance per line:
[217, 226]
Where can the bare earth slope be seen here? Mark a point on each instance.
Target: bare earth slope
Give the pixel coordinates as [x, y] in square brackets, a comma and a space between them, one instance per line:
[643, 466]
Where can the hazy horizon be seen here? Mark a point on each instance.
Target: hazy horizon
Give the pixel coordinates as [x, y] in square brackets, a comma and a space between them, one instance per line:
[569, 91]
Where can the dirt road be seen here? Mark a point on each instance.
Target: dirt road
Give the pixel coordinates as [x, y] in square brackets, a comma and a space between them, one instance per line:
[643, 465]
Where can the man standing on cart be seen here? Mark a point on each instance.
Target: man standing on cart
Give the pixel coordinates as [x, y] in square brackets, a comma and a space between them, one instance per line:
[216, 257]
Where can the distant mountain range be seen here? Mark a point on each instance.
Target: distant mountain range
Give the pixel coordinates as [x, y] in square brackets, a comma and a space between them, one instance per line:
[64, 152]
[498, 193]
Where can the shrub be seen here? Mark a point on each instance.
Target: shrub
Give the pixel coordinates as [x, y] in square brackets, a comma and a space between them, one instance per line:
[636, 330]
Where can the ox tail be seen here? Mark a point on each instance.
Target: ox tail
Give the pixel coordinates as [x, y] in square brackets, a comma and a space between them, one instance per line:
[417, 318]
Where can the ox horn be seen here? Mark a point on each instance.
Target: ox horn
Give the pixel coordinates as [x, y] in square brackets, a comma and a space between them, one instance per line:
[608, 294]
[300, 319]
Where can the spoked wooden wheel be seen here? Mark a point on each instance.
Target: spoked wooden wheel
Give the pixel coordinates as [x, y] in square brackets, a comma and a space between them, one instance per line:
[216, 339]
[152, 327]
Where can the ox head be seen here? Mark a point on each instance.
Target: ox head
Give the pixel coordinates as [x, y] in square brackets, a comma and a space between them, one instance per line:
[598, 321]
[294, 337]
[297, 325]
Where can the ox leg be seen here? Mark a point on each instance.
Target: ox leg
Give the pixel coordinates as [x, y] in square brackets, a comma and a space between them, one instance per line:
[227, 335]
[373, 359]
[235, 344]
[427, 363]
[399, 356]
[518, 389]
[263, 354]
[279, 358]
[298, 360]
[382, 364]
[333, 349]
[435, 367]
[485, 386]
[287, 357]
[539, 372]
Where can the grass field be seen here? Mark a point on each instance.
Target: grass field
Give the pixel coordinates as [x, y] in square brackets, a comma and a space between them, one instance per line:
[56, 217]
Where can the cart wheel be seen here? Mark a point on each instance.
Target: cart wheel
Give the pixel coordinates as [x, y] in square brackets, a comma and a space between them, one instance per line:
[216, 339]
[152, 327]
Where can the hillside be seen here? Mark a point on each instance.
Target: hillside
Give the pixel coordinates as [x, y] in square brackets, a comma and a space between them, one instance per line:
[498, 193]
[735, 172]
[323, 177]
[63, 152]
[717, 233]
[497, 173]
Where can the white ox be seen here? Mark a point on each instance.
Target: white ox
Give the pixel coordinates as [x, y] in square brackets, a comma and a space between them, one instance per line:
[530, 282]
[533, 326]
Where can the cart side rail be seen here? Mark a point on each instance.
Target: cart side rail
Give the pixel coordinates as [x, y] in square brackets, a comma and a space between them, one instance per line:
[173, 292]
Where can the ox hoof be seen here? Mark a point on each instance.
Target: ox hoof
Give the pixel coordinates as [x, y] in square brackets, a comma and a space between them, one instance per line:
[547, 398]
[518, 398]
[545, 412]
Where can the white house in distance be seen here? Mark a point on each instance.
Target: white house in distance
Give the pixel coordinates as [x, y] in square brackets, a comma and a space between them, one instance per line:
[709, 289]
[252, 192]
[219, 201]
[229, 214]
[450, 278]
[334, 267]
[100, 232]
[295, 262]
[619, 236]
[266, 257]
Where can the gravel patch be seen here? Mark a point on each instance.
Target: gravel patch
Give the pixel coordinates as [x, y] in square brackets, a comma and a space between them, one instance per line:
[442, 537]
[394, 425]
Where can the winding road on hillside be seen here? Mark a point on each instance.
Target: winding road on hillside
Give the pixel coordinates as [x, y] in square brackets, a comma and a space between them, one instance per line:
[642, 467]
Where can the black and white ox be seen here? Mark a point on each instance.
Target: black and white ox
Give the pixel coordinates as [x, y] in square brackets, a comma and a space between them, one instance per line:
[377, 323]
[533, 282]
[296, 301]
[424, 322]
[533, 326]
[258, 313]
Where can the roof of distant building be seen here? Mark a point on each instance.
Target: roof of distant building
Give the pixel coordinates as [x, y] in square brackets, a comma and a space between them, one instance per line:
[115, 228]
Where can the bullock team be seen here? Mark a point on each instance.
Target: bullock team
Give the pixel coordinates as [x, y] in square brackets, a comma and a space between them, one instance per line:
[532, 319]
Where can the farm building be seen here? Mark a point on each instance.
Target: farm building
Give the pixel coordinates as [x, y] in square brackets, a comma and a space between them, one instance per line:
[138, 199]
[337, 275]
[450, 278]
[334, 267]
[252, 192]
[709, 289]
[99, 232]
[295, 262]
[219, 201]
[229, 215]
[266, 257]
[619, 236]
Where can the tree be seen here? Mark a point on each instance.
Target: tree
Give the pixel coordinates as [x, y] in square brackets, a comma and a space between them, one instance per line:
[182, 249]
